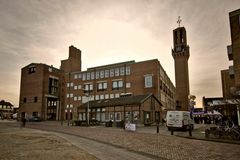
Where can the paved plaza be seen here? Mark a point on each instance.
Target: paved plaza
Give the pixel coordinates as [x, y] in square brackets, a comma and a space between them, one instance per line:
[146, 142]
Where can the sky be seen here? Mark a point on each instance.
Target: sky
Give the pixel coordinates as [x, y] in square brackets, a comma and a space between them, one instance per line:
[112, 31]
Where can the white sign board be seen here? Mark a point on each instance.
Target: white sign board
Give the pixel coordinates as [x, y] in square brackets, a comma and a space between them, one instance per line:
[130, 127]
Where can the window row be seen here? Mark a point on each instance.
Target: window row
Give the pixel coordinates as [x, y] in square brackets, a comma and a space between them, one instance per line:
[85, 99]
[166, 89]
[103, 73]
[103, 86]
[5, 107]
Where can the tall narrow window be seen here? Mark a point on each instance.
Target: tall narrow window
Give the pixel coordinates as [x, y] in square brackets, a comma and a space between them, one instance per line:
[128, 70]
[92, 75]
[101, 74]
[35, 99]
[106, 73]
[148, 81]
[111, 72]
[31, 69]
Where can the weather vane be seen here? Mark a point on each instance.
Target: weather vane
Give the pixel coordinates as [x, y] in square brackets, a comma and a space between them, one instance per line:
[179, 21]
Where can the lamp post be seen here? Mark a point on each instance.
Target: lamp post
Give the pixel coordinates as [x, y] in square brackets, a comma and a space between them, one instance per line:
[88, 106]
[88, 111]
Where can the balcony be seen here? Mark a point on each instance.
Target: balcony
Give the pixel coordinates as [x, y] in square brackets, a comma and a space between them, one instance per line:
[229, 51]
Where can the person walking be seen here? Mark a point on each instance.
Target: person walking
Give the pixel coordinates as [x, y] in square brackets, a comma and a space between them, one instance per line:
[23, 122]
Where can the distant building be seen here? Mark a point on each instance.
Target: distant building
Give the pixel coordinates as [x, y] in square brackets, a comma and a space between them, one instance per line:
[40, 92]
[214, 103]
[231, 77]
[231, 84]
[180, 53]
[6, 109]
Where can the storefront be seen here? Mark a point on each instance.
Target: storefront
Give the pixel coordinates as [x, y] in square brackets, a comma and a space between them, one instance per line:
[138, 109]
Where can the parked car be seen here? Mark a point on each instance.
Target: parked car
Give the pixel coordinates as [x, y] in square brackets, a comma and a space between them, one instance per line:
[35, 119]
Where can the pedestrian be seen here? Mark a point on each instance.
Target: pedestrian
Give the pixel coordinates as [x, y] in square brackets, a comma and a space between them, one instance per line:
[23, 122]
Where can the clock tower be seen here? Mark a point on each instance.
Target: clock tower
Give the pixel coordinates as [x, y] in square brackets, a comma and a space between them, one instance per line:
[180, 53]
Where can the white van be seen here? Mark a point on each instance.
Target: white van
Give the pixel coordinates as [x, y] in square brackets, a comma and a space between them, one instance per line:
[179, 119]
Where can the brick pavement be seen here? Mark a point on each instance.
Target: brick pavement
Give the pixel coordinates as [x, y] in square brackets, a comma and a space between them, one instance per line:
[162, 146]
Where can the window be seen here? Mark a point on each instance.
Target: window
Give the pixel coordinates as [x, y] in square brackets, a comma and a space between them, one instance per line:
[88, 76]
[106, 96]
[80, 76]
[128, 85]
[101, 74]
[53, 86]
[75, 87]
[71, 84]
[35, 99]
[128, 71]
[75, 98]
[117, 85]
[68, 84]
[83, 76]
[101, 86]
[71, 95]
[101, 96]
[31, 70]
[79, 98]
[148, 81]
[111, 95]
[116, 71]
[92, 75]
[106, 73]
[97, 97]
[122, 71]
[118, 116]
[67, 95]
[79, 86]
[88, 88]
[97, 75]
[24, 100]
[117, 95]
[111, 72]
[76, 76]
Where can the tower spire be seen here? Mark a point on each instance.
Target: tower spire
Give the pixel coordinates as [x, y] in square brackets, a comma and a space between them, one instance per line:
[180, 53]
[179, 21]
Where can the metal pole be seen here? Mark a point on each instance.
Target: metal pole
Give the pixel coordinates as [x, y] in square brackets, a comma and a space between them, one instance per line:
[88, 112]
[238, 115]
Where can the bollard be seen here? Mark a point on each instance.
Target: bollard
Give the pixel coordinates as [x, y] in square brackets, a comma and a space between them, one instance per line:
[190, 130]
[171, 131]
[157, 128]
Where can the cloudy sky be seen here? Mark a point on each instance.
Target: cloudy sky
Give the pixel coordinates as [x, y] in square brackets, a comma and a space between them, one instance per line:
[109, 31]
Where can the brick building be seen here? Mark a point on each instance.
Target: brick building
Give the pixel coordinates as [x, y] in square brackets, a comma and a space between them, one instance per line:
[40, 92]
[229, 105]
[61, 94]
[114, 81]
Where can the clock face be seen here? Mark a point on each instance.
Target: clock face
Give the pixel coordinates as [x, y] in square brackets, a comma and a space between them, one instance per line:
[178, 49]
